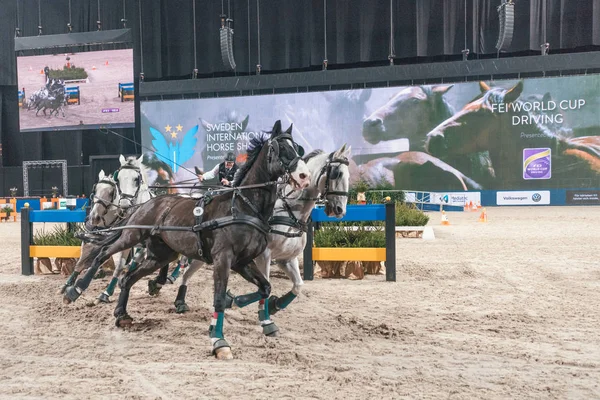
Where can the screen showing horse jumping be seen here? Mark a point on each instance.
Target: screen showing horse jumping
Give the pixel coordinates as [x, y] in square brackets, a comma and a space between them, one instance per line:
[76, 90]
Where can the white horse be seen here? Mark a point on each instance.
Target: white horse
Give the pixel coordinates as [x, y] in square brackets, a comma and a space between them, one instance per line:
[329, 182]
[114, 197]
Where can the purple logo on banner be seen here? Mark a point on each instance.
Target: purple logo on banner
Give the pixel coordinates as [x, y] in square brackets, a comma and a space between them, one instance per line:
[110, 110]
[536, 164]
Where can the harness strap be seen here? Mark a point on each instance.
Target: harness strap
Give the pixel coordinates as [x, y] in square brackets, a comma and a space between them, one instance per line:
[229, 220]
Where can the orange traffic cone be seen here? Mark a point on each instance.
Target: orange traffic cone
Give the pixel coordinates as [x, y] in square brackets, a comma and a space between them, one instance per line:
[473, 206]
[106, 63]
[41, 72]
[93, 67]
[483, 216]
[445, 219]
[467, 207]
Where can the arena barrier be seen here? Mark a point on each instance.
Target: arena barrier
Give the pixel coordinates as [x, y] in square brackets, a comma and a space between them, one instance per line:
[374, 212]
[73, 95]
[21, 97]
[29, 250]
[126, 91]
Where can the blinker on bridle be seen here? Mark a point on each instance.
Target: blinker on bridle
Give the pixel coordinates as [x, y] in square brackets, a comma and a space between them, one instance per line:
[291, 164]
[327, 170]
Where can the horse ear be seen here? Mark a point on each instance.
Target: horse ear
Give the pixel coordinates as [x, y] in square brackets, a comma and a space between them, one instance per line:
[483, 87]
[122, 160]
[347, 152]
[365, 95]
[204, 124]
[276, 128]
[101, 175]
[245, 122]
[339, 151]
[441, 89]
[513, 93]
[547, 97]
[289, 130]
[139, 160]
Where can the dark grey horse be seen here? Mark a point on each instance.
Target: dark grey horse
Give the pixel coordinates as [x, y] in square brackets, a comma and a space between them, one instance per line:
[230, 229]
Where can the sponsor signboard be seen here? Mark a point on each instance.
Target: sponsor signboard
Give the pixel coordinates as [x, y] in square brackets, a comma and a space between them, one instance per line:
[523, 198]
[583, 197]
[456, 198]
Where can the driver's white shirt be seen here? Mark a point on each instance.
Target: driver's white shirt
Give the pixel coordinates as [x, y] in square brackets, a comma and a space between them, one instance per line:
[212, 173]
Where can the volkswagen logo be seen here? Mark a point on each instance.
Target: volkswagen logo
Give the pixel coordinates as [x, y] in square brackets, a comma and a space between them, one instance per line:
[536, 197]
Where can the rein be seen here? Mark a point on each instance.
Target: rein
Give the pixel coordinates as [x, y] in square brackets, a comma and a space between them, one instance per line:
[259, 222]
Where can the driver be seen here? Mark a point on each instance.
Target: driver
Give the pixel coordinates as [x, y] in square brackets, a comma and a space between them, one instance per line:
[225, 171]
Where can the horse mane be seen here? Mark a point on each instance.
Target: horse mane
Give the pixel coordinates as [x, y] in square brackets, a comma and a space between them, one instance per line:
[312, 154]
[254, 147]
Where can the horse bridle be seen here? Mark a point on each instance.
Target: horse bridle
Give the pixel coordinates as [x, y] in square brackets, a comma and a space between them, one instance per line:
[273, 144]
[129, 197]
[294, 222]
[117, 194]
[107, 205]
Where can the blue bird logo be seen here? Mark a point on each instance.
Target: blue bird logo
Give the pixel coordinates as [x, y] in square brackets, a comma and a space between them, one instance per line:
[174, 153]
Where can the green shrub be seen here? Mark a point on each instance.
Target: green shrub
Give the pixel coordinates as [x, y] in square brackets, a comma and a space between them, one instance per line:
[335, 234]
[410, 215]
[68, 73]
[59, 236]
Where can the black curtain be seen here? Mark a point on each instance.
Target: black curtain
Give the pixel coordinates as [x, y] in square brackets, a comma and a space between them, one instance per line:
[292, 37]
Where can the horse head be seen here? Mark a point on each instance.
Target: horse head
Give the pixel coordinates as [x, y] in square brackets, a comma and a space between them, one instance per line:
[478, 126]
[410, 114]
[130, 179]
[331, 176]
[104, 200]
[283, 158]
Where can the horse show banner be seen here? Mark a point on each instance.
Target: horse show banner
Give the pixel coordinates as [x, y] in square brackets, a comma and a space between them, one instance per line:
[520, 135]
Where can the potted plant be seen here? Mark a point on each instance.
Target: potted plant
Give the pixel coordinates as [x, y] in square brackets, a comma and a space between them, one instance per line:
[54, 191]
[6, 210]
[361, 188]
[351, 237]
[60, 236]
[13, 192]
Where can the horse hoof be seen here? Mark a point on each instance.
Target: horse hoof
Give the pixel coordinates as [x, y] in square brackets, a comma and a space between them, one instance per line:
[181, 308]
[224, 353]
[153, 288]
[103, 298]
[123, 321]
[170, 280]
[271, 330]
[70, 295]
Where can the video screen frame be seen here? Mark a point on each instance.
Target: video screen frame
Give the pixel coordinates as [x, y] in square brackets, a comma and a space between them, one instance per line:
[76, 81]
